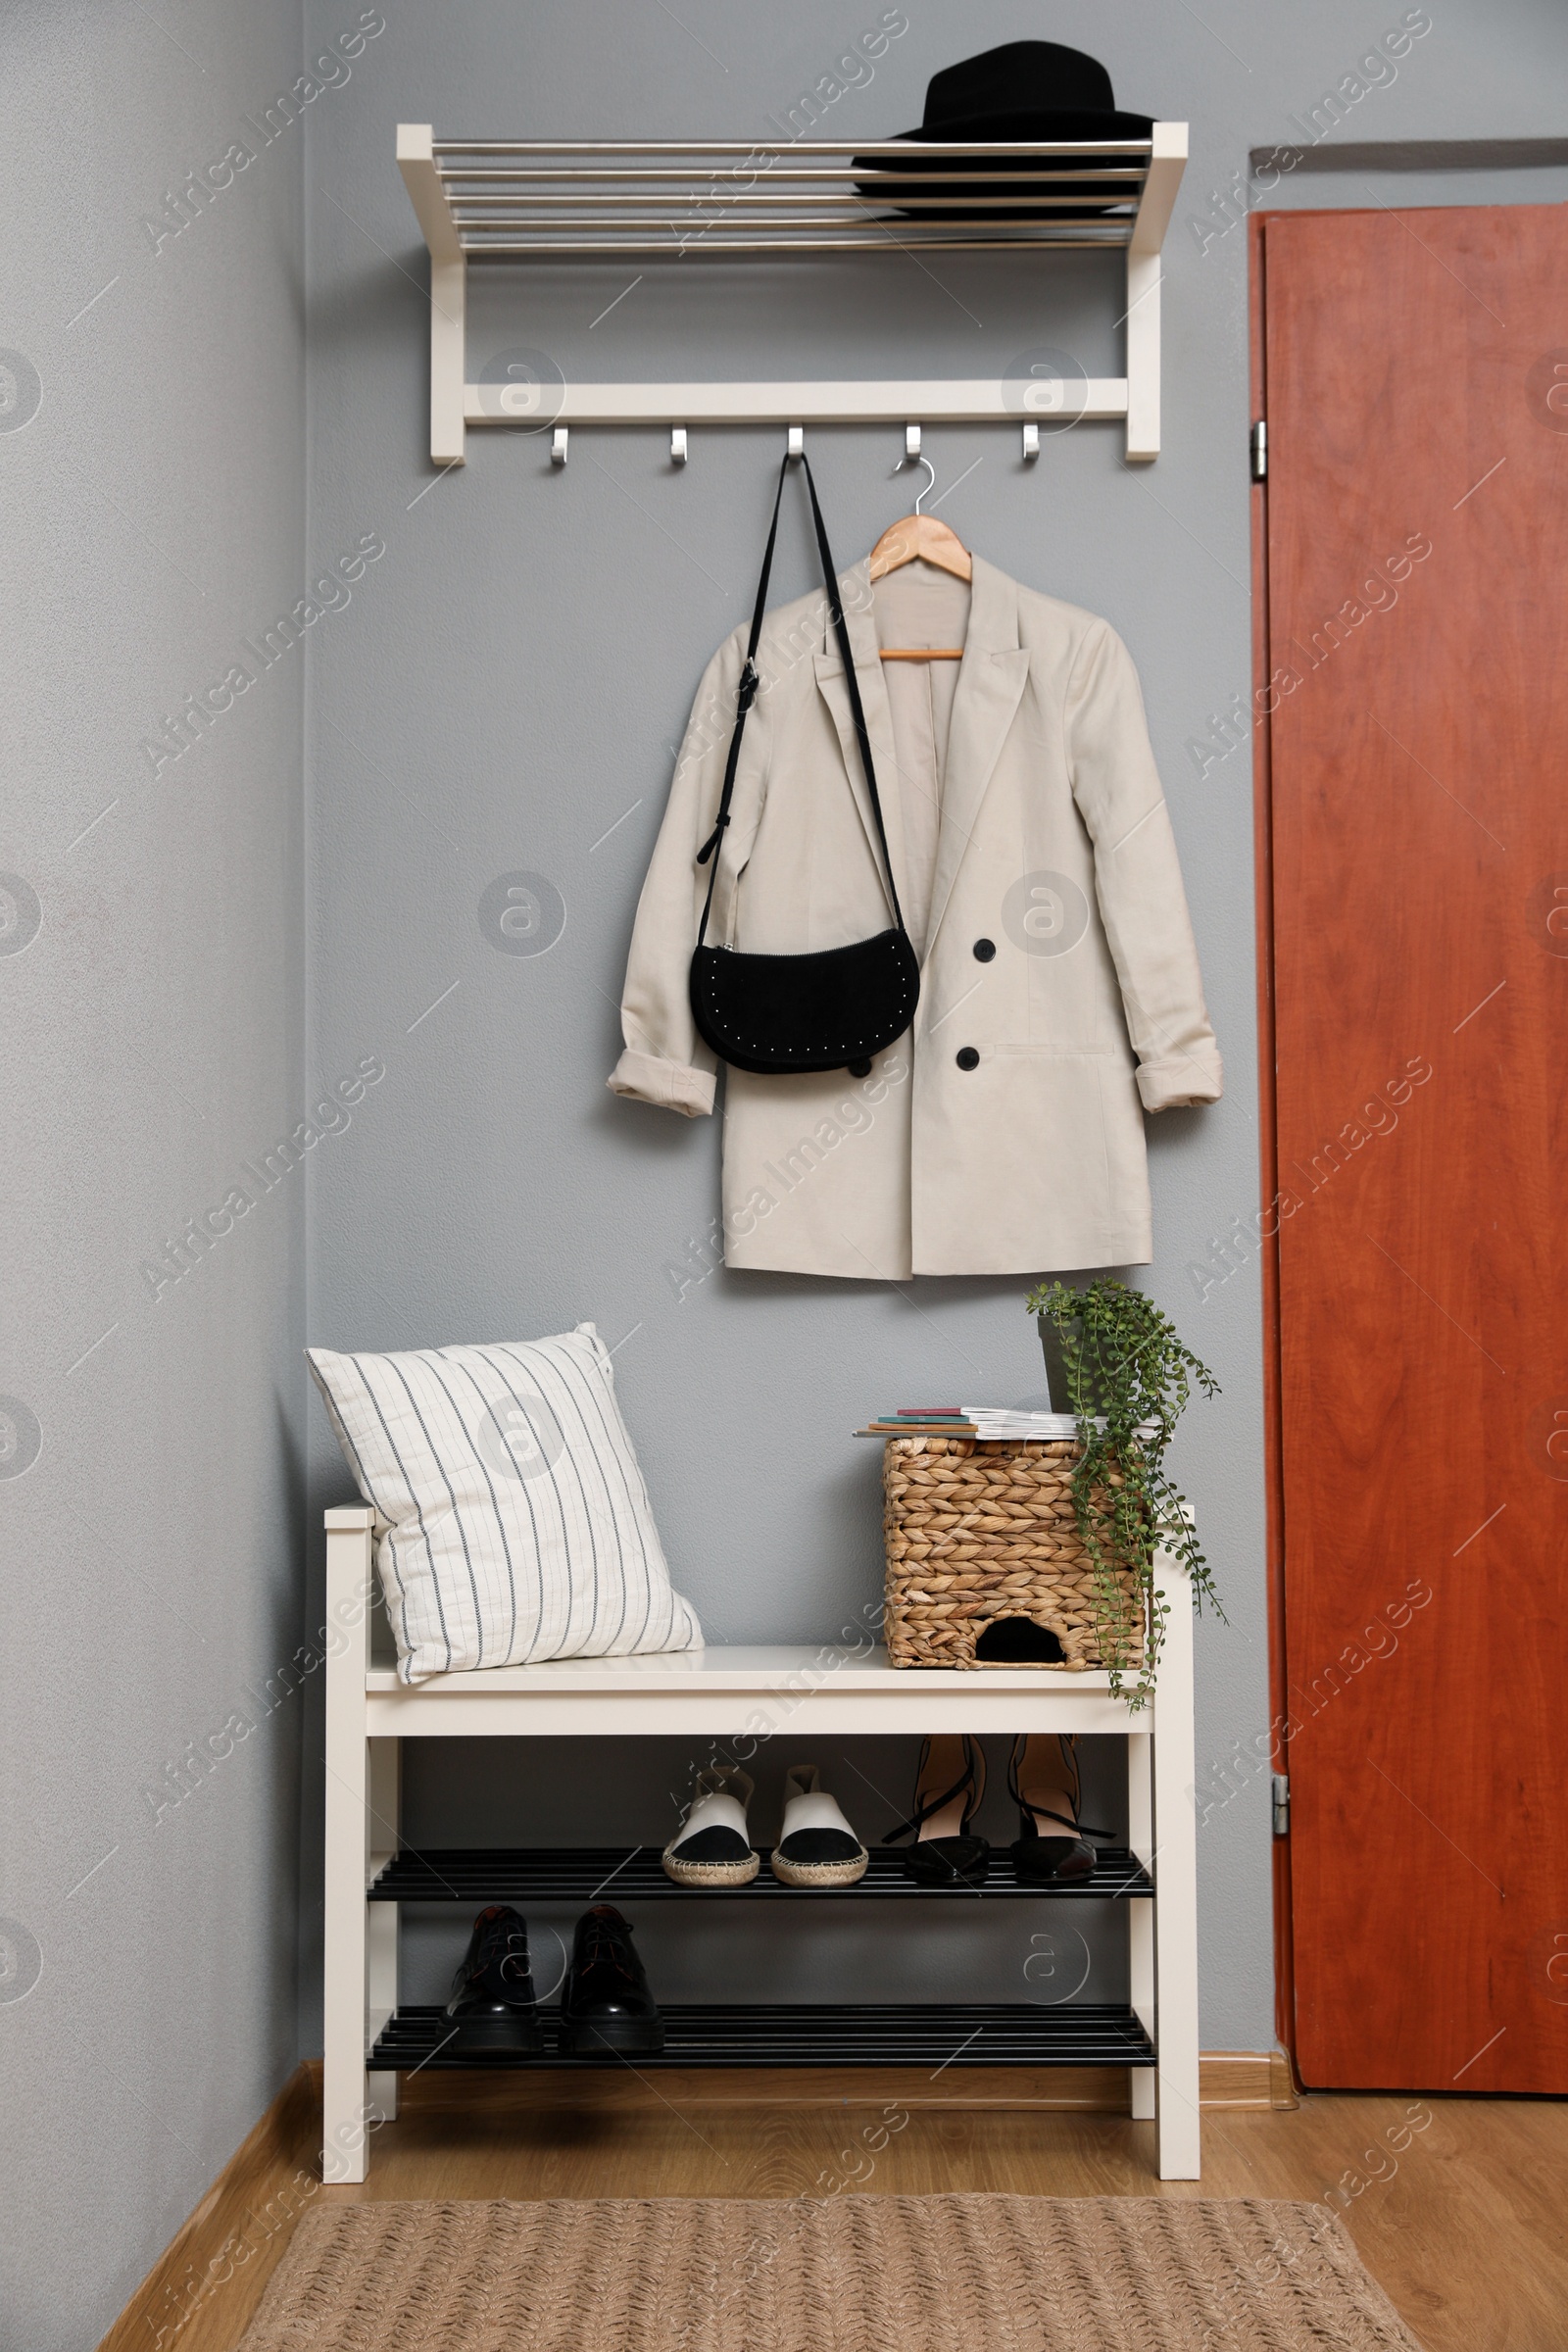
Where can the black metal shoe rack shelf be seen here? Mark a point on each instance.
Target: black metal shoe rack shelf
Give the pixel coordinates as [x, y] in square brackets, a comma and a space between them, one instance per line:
[928, 2035]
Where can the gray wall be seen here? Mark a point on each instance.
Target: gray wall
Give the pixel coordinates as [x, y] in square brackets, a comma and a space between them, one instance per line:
[511, 691]
[500, 686]
[153, 1026]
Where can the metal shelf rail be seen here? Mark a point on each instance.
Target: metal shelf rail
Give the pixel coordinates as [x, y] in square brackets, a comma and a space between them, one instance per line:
[636, 1875]
[746, 1696]
[956, 2034]
[532, 201]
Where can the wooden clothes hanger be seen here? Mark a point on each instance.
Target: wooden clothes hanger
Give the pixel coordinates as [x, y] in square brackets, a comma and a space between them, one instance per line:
[921, 535]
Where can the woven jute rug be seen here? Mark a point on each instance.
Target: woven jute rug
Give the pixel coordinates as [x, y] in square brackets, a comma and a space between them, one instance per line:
[848, 2273]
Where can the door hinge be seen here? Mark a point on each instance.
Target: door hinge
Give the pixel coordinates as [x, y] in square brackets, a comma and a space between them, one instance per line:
[1282, 1805]
[1259, 445]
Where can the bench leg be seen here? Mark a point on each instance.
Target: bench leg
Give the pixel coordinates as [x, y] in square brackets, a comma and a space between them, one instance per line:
[345, 2086]
[1140, 1915]
[1176, 1904]
[346, 2113]
[381, 1932]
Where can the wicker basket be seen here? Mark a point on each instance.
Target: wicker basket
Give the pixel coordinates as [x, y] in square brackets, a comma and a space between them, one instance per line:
[977, 1532]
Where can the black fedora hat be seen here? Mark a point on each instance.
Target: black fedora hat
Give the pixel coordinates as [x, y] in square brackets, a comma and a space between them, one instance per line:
[1023, 90]
[1064, 93]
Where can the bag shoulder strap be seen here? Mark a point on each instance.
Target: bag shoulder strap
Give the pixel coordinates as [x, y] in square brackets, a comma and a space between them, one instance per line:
[747, 695]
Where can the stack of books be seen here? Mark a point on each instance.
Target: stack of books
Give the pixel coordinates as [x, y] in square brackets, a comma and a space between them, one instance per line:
[921, 1421]
[983, 1421]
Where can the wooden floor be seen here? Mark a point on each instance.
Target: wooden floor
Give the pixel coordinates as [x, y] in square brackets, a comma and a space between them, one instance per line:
[1457, 2205]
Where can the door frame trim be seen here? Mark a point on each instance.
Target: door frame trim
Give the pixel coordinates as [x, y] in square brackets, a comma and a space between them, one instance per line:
[1267, 1141]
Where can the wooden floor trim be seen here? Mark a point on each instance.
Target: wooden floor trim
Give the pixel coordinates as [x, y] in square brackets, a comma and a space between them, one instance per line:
[276, 2172]
[1246, 2079]
[270, 2178]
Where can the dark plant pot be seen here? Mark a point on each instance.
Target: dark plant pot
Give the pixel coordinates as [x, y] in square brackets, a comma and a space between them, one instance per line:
[1056, 1367]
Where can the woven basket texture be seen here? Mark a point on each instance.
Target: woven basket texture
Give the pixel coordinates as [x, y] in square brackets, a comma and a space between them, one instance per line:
[979, 1531]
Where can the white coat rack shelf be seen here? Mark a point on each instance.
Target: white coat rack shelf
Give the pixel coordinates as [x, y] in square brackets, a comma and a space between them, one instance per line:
[523, 201]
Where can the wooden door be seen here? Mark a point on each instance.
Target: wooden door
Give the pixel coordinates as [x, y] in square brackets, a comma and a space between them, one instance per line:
[1415, 386]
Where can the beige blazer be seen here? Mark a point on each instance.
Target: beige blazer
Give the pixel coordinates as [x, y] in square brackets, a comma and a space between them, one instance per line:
[1060, 996]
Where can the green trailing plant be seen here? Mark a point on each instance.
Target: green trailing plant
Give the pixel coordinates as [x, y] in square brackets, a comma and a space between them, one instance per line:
[1129, 1378]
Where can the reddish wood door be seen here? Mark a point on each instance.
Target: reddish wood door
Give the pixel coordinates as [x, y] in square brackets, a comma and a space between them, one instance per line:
[1416, 391]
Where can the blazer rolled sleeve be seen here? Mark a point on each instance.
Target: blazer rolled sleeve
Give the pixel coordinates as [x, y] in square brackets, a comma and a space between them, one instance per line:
[672, 1085]
[666, 1062]
[1180, 1084]
[1138, 878]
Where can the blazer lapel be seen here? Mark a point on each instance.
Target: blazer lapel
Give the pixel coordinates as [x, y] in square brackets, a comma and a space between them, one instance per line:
[991, 684]
[855, 588]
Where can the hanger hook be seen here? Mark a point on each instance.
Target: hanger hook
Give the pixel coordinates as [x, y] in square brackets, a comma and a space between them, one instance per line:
[931, 481]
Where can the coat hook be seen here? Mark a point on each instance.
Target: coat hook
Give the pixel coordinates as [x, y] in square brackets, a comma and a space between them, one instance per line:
[911, 442]
[1031, 442]
[677, 445]
[794, 447]
[557, 446]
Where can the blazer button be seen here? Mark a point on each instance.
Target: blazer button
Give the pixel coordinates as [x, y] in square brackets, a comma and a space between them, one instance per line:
[984, 949]
[967, 1059]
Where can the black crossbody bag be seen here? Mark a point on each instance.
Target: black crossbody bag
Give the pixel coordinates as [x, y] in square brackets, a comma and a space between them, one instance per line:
[783, 1015]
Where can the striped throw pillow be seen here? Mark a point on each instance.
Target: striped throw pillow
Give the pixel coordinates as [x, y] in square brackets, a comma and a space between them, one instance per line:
[520, 1525]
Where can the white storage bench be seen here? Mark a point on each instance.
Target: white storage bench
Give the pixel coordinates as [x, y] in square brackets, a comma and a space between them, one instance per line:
[740, 1696]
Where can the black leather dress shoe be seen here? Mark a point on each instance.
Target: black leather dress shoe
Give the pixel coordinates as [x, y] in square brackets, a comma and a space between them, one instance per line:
[492, 2005]
[605, 2003]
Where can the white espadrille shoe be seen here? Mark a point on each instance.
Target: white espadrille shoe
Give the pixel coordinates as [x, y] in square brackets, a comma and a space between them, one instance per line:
[713, 1846]
[816, 1846]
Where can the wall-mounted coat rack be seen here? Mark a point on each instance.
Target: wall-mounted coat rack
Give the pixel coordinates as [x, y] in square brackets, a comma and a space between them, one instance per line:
[525, 200]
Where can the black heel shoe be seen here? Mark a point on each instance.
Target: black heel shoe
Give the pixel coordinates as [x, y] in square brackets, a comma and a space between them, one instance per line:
[1042, 1783]
[950, 1785]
